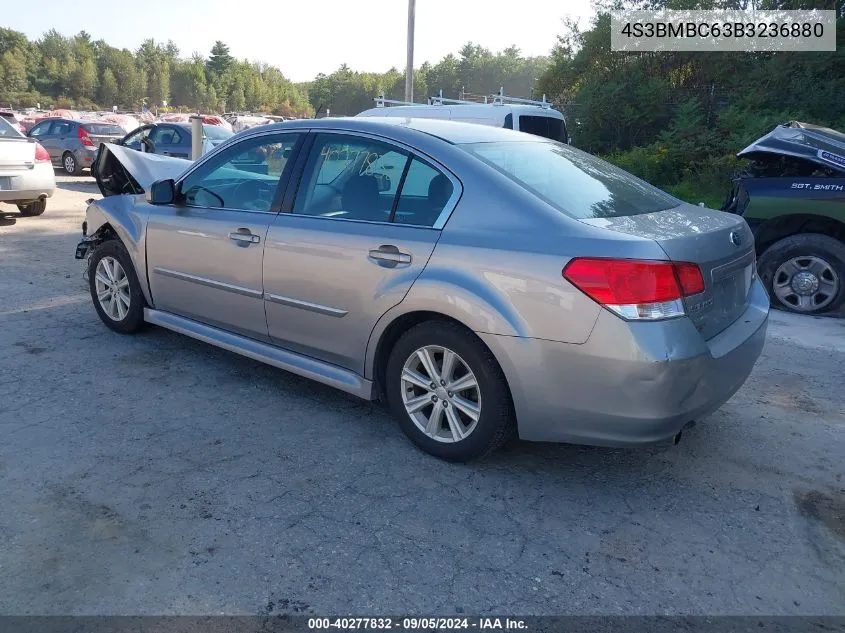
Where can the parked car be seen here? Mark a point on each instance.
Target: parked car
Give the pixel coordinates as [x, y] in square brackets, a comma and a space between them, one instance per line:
[26, 175]
[792, 194]
[494, 283]
[173, 139]
[13, 120]
[524, 115]
[73, 144]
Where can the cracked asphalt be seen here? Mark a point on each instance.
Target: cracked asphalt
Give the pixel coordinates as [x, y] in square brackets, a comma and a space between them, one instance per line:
[157, 475]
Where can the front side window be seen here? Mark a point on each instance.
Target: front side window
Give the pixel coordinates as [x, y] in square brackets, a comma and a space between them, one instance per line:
[134, 139]
[350, 177]
[576, 183]
[246, 176]
[40, 129]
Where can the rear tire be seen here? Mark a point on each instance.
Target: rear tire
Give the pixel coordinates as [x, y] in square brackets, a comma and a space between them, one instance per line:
[33, 208]
[805, 273]
[70, 164]
[115, 289]
[474, 420]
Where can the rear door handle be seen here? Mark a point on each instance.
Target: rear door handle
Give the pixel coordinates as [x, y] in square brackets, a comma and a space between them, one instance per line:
[244, 237]
[390, 254]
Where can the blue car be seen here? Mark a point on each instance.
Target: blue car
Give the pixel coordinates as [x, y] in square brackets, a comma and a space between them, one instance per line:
[172, 139]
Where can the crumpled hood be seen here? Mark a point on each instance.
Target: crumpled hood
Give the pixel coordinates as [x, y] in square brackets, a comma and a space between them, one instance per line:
[820, 145]
[121, 170]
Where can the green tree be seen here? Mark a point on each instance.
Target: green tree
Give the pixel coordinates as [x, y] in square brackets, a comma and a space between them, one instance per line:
[220, 59]
[108, 95]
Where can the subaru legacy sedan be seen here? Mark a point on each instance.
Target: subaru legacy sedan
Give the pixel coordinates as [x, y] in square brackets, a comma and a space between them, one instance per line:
[484, 283]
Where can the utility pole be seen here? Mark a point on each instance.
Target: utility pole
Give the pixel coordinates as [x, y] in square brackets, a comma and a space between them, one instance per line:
[409, 67]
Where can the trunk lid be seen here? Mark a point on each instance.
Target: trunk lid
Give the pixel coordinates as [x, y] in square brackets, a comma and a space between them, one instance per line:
[16, 153]
[720, 243]
[103, 133]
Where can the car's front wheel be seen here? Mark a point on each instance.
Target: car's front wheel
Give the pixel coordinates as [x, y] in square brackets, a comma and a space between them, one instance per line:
[115, 289]
[448, 392]
[805, 273]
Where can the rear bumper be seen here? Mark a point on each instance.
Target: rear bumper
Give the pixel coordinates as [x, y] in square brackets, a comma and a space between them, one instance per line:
[85, 156]
[630, 383]
[30, 184]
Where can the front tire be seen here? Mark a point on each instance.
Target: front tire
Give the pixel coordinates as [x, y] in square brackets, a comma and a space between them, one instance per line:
[448, 393]
[33, 208]
[70, 164]
[115, 289]
[805, 273]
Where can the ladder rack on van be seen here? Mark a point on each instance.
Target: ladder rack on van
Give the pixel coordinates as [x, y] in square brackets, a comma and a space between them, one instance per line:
[501, 99]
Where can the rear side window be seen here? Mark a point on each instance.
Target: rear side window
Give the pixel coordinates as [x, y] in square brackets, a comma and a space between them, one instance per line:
[60, 128]
[424, 195]
[103, 129]
[544, 126]
[576, 183]
[508, 121]
[7, 131]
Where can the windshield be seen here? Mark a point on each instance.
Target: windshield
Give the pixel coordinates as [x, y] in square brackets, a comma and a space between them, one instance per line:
[104, 129]
[216, 133]
[7, 130]
[576, 183]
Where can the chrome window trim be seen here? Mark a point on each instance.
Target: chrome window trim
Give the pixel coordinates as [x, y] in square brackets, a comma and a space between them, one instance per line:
[449, 207]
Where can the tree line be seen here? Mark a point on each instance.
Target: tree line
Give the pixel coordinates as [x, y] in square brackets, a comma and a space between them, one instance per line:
[78, 72]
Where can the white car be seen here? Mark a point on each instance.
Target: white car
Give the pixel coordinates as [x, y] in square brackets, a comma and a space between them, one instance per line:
[27, 178]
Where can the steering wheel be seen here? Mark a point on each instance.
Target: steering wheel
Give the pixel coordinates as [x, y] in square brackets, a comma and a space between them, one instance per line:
[254, 195]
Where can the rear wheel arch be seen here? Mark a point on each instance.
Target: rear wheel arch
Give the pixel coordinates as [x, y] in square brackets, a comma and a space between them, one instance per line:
[394, 331]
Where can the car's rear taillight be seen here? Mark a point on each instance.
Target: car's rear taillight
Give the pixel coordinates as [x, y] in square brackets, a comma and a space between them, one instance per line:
[636, 289]
[82, 133]
[41, 154]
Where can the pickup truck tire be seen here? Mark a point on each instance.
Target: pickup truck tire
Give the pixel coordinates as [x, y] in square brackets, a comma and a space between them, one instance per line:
[115, 289]
[804, 273]
[33, 208]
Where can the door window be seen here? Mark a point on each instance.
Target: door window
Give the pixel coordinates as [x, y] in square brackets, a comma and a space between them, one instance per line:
[40, 129]
[425, 193]
[60, 128]
[245, 176]
[350, 178]
[134, 139]
[161, 136]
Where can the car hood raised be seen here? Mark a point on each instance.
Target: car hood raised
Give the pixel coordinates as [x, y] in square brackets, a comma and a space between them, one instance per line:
[121, 170]
[820, 145]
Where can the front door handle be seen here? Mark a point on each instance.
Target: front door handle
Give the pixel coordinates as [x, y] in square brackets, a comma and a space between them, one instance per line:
[244, 237]
[390, 254]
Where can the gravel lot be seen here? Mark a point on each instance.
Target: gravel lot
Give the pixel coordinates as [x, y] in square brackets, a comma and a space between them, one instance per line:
[157, 475]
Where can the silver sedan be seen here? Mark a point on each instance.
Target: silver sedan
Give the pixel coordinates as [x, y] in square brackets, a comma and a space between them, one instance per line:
[484, 283]
[27, 178]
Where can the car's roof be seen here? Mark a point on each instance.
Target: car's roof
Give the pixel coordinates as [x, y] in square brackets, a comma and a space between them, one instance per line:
[454, 132]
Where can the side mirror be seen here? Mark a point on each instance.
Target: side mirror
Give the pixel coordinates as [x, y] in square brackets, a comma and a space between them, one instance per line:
[162, 192]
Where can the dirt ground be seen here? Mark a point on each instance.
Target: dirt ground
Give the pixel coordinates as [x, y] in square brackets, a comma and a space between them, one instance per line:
[158, 475]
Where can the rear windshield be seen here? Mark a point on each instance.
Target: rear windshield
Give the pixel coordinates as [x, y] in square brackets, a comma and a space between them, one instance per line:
[574, 182]
[544, 126]
[777, 166]
[104, 129]
[7, 130]
[216, 133]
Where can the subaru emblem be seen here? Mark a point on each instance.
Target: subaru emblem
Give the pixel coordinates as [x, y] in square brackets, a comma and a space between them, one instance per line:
[736, 238]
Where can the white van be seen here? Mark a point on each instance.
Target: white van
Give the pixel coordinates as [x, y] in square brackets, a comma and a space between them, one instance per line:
[523, 115]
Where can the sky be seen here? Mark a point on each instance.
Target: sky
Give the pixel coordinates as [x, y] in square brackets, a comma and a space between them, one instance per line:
[307, 37]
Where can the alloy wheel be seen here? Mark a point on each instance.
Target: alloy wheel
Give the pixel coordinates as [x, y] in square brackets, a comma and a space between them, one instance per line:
[112, 286]
[70, 164]
[441, 394]
[806, 284]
